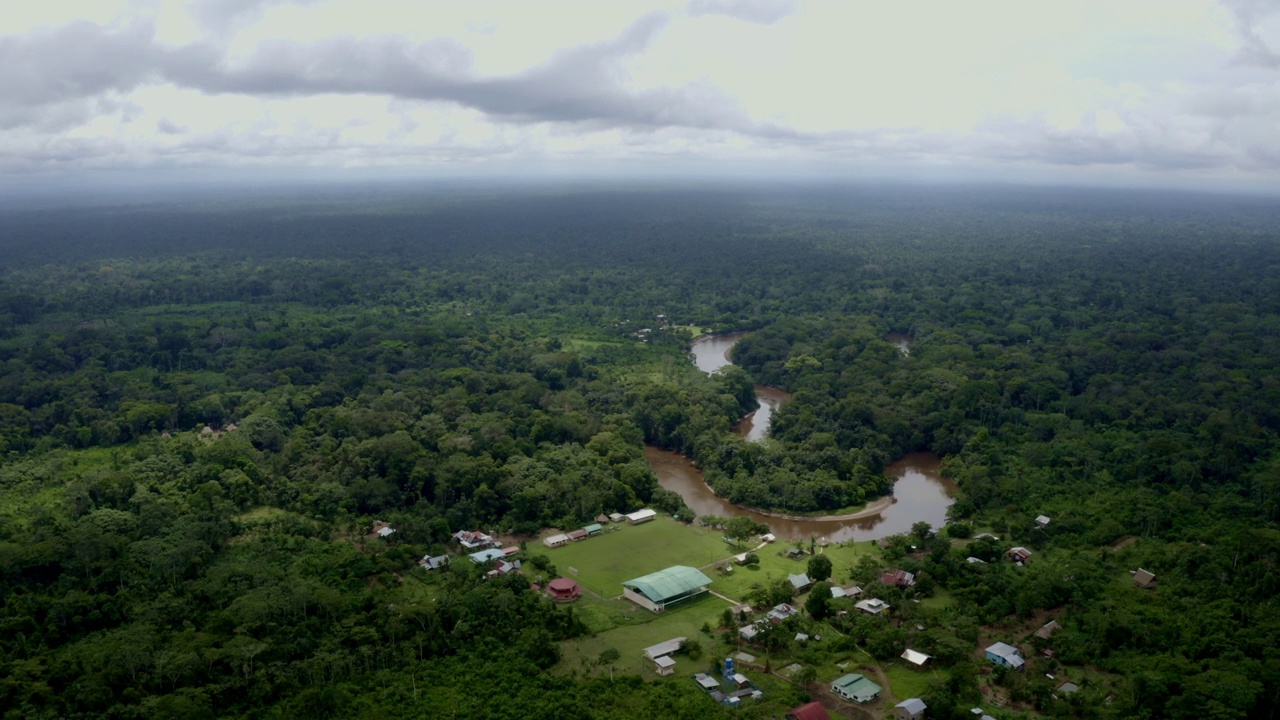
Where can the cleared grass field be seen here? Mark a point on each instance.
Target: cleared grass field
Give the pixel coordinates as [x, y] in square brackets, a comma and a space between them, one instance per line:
[941, 599]
[574, 343]
[682, 620]
[906, 682]
[622, 552]
[774, 566]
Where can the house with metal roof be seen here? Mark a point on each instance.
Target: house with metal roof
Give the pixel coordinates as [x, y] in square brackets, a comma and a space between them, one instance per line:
[800, 582]
[594, 528]
[485, 556]
[1144, 579]
[914, 657]
[641, 516]
[656, 591]
[872, 606]
[471, 540]
[653, 652]
[909, 709]
[434, 562]
[850, 592]
[564, 590]
[781, 612]
[855, 687]
[554, 541]
[576, 535]
[1042, 521]
[504, 567]
[1006, 655]
[706, 682]
[1019, 555]
[899, 578]
[1047, 630]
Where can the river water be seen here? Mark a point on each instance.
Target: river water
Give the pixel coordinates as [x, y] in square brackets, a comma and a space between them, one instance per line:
[920, 494]
[710, 353]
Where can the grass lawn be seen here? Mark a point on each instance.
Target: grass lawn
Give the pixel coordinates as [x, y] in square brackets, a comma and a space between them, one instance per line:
[942, 598]
[574, 343]
[774, 566]
[602, 563]
[908, 682]
[682, 620]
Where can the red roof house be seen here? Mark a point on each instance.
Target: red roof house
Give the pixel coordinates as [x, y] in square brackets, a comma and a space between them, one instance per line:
[901, 578]
[809, 711]
[564, 590]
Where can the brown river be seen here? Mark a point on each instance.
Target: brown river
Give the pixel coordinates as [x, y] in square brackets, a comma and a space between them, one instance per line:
[920, 493]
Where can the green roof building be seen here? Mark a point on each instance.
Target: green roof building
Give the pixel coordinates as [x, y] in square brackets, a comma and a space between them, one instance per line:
[855, 687]
[656, 591]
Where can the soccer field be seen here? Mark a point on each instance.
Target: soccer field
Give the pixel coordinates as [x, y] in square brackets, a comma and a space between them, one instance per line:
[622, 552]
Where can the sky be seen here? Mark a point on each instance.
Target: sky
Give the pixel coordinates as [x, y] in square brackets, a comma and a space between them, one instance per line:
[1180, 93]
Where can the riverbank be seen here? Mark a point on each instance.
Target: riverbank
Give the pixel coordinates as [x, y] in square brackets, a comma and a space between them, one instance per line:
[920, 494]
[871, 509]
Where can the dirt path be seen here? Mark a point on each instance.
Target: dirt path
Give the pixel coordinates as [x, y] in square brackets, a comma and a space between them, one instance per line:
[1123, 543]
[837, 705]
[726, 598]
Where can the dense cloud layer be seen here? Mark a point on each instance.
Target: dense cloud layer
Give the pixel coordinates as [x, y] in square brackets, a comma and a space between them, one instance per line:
[1191, 91]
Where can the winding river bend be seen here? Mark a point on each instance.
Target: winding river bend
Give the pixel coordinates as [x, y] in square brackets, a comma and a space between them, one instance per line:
[920, 493]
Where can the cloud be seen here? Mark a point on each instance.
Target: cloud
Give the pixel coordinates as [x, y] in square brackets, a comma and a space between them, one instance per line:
[761, 12]
[50, 74]
[1250, 18]
[586, 84]
[256, 82]
[222, 15]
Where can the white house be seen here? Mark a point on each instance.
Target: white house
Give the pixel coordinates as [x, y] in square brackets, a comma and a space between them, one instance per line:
[872, 606]
[914, 657]
[641, 516]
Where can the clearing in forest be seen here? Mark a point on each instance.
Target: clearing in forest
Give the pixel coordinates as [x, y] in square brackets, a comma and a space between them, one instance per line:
[602, 563]
[773, 566]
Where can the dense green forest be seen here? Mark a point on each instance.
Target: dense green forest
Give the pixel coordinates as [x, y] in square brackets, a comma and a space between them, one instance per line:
[206, 402]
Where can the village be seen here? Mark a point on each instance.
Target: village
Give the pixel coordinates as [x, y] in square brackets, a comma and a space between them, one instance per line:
[665, 599]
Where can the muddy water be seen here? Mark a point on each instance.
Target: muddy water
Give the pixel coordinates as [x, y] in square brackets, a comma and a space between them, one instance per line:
[920, 494]
[710, 353]
[755, 427]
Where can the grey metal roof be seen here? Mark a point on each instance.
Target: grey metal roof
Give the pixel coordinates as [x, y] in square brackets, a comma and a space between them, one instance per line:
[1011, 654]
[912, 705]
